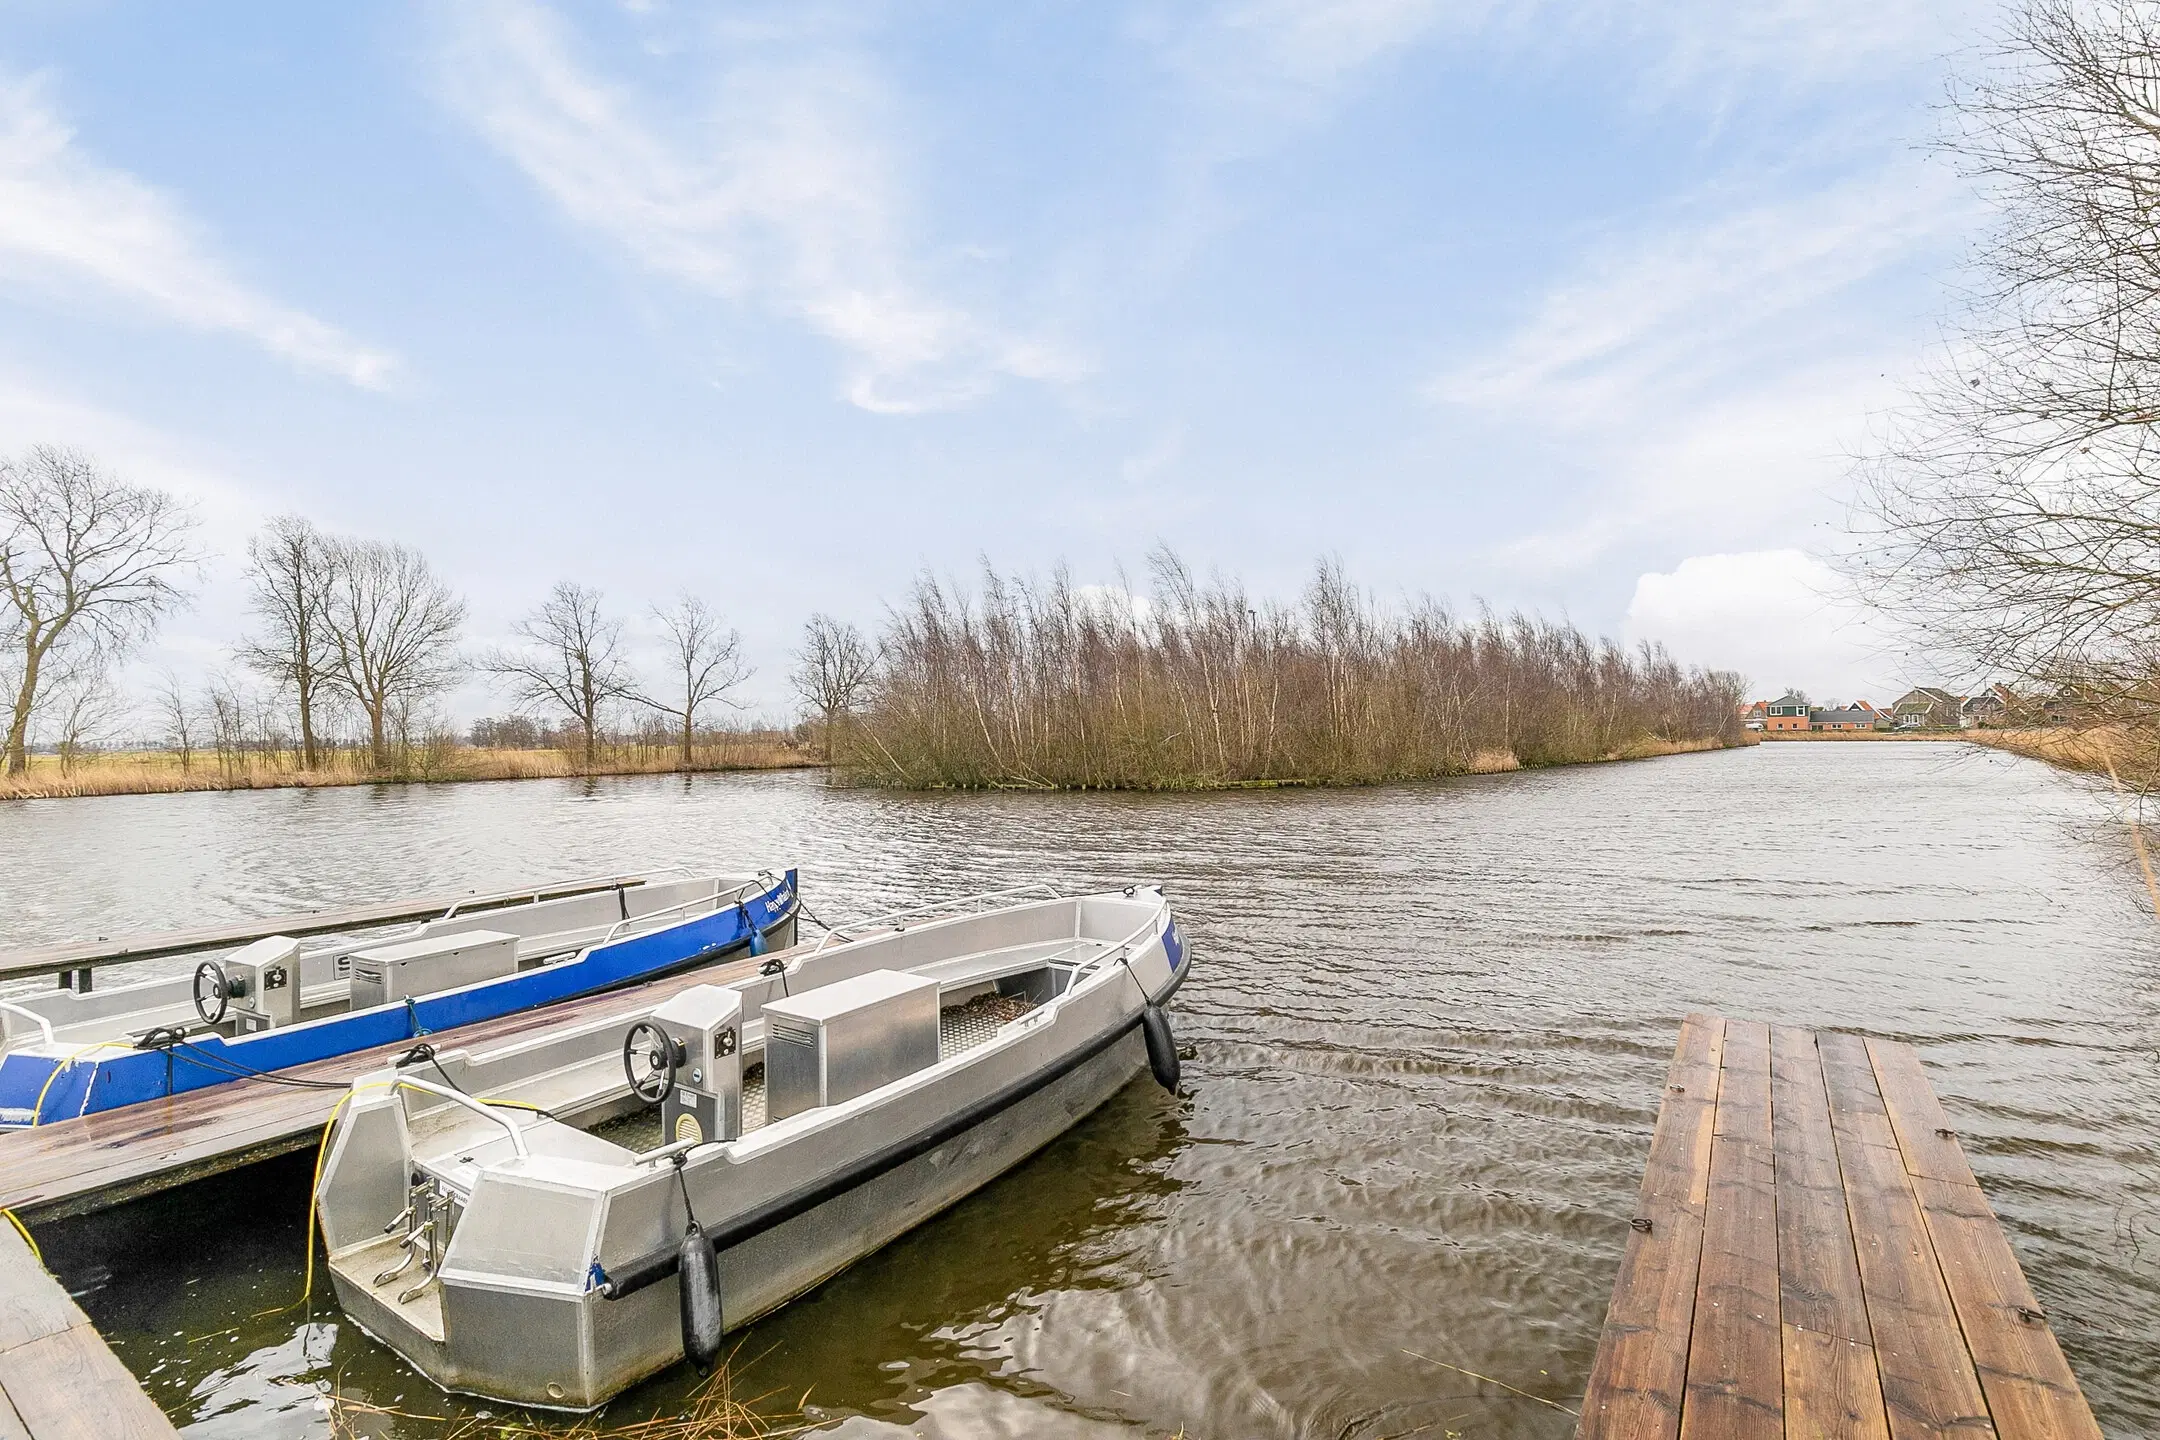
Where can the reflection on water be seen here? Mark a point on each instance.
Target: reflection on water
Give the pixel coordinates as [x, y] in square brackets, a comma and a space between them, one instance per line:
[1430, 1026]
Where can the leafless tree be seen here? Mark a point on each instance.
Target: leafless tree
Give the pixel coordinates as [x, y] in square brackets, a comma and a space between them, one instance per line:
[2012, 512]
[391, 626]
[832, 673]
[86, 560]
[571, 661]
[291, 569]
[81, 704]
[178, 717]
[705, 661]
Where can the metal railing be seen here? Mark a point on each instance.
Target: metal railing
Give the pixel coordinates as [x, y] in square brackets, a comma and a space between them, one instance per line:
[757, 884]
[42, 1023]
[841, 934]
[459, 1097]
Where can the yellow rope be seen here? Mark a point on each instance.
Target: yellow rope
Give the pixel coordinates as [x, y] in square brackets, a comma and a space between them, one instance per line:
[24, 1231]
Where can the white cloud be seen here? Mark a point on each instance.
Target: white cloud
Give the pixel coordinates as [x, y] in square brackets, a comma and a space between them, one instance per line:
[68, 223]
[785, 193]
[1779, 617]
[1716, 373]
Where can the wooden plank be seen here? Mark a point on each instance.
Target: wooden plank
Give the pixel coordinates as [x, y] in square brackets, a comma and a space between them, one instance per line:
[32, 1304]
[1831, 1383]
[85, 954]
[1638, 1382]
[1856, 1107]
[2030, 1391]
[70, 1386]
[1735, 1373]
[1929, 1387]
[11, 1423]
[1924, 1133]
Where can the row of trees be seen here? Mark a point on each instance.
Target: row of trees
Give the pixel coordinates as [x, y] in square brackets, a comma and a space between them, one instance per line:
[345, 629]
[1198, 684]
[1031, 684]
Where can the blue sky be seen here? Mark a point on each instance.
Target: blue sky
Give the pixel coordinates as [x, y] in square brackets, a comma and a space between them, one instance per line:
[1578, 307]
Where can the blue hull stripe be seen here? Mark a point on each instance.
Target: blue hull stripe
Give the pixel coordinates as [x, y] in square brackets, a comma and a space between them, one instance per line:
[107, 1079]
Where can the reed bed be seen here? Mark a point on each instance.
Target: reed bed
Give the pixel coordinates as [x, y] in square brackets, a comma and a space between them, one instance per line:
[2131, 754]
[145, 772]
[1196, 685]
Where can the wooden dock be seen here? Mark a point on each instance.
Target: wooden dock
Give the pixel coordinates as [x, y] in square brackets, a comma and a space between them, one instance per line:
[58, 1380]
[73, 1167]
[1811, 1257]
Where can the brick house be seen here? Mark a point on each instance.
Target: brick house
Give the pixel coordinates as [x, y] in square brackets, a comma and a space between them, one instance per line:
[1857, 716]
[1787, 712]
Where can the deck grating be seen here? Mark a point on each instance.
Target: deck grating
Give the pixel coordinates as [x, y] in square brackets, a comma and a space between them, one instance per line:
[1812, 1257]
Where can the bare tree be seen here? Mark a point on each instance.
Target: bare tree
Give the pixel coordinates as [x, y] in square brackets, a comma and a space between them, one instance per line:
[81, 704]
[704, 659]
[2012, 513]
[179, 718]
[571, 661]
[832, 672]
[85, 560]
[392, 628]
[291, 566]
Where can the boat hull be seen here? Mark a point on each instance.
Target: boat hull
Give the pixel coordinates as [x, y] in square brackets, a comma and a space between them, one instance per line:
[39, 1086]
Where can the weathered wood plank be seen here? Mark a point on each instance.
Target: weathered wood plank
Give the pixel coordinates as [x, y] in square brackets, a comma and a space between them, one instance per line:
[1638, 1382]
[32, 1304]
[1735, 1380]
[70, 1386]
[1928, 1383]
[1831, 1383]
[1856, 1107]
[86, 954]
[2030, 1391]
[11, 1424]
[1924, 1133]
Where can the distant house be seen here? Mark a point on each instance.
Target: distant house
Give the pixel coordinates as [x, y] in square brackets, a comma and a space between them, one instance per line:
[1927, 708]
[1787, 712]
[1755, 716]
[1988, 708]
[1857, 716]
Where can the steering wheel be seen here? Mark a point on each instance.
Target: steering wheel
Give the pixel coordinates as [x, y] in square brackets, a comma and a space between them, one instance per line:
[213, 989]
[649, 1061]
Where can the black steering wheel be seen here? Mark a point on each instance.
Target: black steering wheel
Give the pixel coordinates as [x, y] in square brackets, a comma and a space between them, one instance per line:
[213, 989]
[649, 1061]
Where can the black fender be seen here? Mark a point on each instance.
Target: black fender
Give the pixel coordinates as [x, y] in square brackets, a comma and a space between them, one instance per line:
[1161, 1047]
[698, 1274]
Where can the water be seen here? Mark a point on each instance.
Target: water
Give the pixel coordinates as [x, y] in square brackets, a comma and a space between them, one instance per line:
[1430, 1026]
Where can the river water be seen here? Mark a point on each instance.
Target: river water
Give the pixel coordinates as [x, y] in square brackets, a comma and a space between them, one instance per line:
[1429, 1028]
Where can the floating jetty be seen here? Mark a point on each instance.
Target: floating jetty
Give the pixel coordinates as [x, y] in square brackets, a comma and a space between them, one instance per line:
[58, 1380]
[1811, 1256]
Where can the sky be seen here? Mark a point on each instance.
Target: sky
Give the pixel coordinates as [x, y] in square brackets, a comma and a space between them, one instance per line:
[1581, 308]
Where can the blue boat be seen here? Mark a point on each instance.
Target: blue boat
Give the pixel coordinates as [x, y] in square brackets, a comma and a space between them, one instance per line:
[274, 1003]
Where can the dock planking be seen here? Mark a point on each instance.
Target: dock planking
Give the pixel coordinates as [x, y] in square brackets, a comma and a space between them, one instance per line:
[1812, 1257]
[58, 1379]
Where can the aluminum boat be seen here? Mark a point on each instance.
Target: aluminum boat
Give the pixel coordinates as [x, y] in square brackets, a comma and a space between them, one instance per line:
[277, 1003]
[812, 1109]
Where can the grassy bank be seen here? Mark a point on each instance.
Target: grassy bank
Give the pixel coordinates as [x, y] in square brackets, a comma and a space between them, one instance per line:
[149, 772]
[2096, 748]
[1197, 686]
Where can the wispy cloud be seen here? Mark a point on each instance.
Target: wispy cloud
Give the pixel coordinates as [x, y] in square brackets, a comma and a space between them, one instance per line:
[785, 194]
[69, 224]
[1710, 369]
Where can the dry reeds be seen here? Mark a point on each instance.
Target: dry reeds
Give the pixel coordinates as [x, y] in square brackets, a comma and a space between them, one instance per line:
[145, 772]
[1196, 685]
[712, 1412]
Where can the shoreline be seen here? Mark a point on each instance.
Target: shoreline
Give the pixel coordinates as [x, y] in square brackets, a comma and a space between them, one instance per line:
[159, 773]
